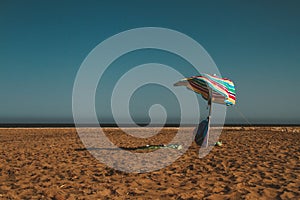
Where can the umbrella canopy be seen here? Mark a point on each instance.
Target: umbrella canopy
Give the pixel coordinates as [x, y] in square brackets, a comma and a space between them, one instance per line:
[222, 89]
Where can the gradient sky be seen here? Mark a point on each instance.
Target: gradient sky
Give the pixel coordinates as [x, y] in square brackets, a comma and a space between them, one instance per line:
[43, 43]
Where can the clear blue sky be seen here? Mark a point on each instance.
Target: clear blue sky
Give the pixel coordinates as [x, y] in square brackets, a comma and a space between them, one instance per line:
[43, 43]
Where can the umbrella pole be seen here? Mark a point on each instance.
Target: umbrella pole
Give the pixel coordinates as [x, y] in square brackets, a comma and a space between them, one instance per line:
[209, 113]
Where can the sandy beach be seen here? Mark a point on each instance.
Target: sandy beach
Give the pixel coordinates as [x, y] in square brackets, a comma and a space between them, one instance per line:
[51, 163]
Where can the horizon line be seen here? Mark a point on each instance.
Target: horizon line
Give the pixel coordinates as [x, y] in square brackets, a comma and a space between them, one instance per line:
[140, 125]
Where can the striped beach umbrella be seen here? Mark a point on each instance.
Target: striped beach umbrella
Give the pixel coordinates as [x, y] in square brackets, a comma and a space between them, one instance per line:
[212, 89]
[220, 90]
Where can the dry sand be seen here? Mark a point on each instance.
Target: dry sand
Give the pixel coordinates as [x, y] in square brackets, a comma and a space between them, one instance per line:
[253, 163]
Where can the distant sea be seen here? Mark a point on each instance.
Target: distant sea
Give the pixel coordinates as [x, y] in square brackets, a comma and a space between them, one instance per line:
[37, 125]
